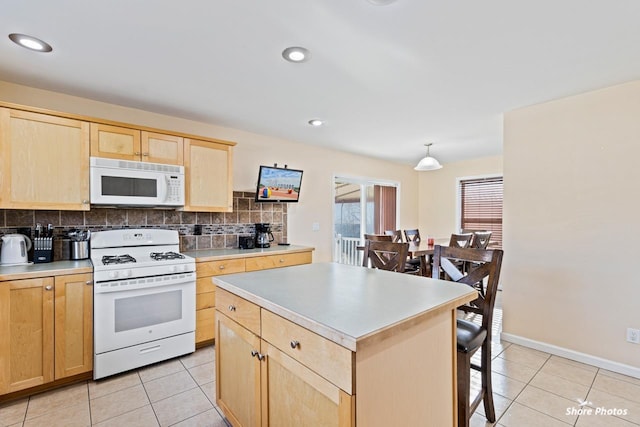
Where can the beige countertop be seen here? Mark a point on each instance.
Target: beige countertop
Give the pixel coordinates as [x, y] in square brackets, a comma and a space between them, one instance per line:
[343, 303]
[56, 268]
[227, 253]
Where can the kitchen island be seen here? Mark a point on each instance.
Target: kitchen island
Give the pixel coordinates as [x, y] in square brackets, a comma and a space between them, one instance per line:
[335, 345]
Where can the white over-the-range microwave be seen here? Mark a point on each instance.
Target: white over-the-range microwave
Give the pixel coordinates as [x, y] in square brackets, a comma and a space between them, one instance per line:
[126, 183]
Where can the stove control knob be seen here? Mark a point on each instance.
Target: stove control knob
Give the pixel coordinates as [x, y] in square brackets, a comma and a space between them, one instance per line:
[126, 273]
[113, 274]
[182, 267]
[172, 268]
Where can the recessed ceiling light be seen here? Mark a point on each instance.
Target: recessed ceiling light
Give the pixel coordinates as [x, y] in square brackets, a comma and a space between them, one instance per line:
[296, 54]
[30, 42]
[316, 122]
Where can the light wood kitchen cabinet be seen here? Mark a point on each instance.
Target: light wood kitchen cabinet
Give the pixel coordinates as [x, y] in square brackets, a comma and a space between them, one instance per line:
[27, 331]
[73, 324]
[277, 261]
[206, 270]
[46, 329]
[255, 374]
[208, 175]
[44, 162]
[116, 142]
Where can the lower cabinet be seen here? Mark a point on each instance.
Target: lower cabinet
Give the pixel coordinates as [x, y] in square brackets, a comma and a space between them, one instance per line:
[205, 289]
[260, 384]
[46, 330]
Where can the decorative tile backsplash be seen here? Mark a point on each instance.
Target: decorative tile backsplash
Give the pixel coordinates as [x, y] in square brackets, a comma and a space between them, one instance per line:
[218, 230]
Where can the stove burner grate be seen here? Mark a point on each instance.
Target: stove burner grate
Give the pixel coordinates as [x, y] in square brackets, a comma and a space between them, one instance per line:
[117, 259]
[161, 256]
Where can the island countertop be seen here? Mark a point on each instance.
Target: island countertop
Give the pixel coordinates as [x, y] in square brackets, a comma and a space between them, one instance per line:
[343, 303]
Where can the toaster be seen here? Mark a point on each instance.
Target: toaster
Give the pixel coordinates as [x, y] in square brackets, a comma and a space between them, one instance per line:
[246, 242]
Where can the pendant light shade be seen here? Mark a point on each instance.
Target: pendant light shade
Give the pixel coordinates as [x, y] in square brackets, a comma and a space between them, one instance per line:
[428, 163]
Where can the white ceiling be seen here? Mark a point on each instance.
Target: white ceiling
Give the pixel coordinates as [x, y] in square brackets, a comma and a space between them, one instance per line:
[386, 79]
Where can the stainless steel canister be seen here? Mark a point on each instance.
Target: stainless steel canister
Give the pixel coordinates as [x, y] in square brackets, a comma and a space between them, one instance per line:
[79, 249]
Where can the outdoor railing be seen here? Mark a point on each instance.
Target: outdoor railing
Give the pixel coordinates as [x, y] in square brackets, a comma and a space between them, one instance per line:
[346, 250]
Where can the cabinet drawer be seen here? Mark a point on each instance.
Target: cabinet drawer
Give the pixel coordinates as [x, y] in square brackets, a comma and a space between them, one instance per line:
[204, 284]
[275, 261]
[205, 325]
[242, 311]
[205, 300]
[323, 356]
[216, 268]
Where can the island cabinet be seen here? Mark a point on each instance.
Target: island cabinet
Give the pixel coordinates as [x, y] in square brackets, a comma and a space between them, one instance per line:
[46, 329]
[250, 389]
[218, 262]
[327, 344]
[44, 161]
[117, 142]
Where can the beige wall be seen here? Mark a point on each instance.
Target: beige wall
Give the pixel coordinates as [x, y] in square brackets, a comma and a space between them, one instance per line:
[571, 178]
[319, 165]
[437, 204]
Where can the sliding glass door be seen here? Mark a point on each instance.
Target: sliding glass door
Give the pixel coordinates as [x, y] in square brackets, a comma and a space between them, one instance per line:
[361, 207]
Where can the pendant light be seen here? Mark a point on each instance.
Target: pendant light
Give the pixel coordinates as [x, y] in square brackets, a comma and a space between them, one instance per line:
[428, 163]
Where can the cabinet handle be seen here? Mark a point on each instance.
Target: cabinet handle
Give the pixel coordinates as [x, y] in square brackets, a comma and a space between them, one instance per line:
[85, 202]
[145, 154]
[260, 356]
[295, 344]
[89, 282]
[48, 288]
[281, 260]
[137, 153]
[254, 353]
[221, 267]
[232, 307]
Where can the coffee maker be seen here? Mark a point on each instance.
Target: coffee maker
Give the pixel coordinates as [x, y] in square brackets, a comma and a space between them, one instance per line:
[263, 235]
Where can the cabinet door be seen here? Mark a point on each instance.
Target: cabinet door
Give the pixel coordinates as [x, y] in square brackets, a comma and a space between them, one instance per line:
[293, 395]
[26, 331]
[237, 372]
[161, 148]
[276, 261]
[44, 161]
[208, 176]
[73, 324]
[115, 142]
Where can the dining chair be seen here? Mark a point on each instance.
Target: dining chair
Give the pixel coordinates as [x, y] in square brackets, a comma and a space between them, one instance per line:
[480, 239]
[396, 234]
[385, 255]
[378, 237]
[412, 236]
[473, 335]
[462, 240]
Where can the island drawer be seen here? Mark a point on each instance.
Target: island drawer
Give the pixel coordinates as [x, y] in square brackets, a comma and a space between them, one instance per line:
[323, 356]
[239, 309]
[275, 261]
[217, 268]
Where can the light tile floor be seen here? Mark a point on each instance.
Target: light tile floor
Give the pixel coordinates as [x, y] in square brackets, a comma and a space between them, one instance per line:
[531, 388]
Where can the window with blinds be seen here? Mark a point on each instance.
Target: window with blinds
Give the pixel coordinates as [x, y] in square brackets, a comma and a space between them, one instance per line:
[481, 206]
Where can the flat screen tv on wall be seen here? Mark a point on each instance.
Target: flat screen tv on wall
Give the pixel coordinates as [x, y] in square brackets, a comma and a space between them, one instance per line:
[278, 184]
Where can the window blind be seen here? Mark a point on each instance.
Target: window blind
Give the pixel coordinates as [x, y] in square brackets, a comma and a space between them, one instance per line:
[481, 206]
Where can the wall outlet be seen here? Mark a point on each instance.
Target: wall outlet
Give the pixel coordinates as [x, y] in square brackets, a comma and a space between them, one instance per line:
[315, 226]
[633, 335]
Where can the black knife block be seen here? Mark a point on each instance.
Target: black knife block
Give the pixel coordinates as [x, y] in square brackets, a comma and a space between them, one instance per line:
[42, 249]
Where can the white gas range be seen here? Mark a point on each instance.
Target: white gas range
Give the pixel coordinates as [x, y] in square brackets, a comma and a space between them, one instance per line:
[144, 299]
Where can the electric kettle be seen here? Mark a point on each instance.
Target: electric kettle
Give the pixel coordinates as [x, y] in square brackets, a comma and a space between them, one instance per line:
[14, 249]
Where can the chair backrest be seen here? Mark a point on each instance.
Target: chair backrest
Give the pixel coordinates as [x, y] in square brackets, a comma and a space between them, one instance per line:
[462, 240]
[395, 234]
[378, 237]
[481, 239]
[385, 255]
[481, 265]
[412, 236]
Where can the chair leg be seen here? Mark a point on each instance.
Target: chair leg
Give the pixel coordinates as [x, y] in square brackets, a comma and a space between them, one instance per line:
[464, 386]
[487, 390]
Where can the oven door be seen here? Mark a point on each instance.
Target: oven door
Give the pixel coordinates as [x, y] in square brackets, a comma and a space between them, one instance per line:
[130, 317]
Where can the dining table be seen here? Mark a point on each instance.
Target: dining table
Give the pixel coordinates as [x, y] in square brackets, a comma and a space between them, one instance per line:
[424, 251]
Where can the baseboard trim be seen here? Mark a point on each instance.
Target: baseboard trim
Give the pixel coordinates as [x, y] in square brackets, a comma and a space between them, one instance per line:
[610, 365]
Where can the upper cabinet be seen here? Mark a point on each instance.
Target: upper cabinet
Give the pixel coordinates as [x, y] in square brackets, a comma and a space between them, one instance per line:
[123, 143]
[44, 161]
[207, 169]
